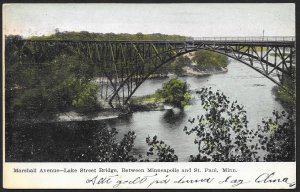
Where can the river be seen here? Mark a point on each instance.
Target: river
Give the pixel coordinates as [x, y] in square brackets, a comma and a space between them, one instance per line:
[65, 141]
[240, 83]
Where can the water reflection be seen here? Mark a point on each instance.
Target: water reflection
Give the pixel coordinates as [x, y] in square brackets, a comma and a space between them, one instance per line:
[173, 117]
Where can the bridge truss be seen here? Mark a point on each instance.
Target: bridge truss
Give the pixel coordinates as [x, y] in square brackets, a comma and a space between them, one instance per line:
[124, 65]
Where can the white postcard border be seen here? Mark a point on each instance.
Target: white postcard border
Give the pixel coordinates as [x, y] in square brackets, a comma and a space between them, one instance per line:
[198, 175]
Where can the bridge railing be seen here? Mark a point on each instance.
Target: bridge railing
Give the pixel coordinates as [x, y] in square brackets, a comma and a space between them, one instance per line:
[245, 39]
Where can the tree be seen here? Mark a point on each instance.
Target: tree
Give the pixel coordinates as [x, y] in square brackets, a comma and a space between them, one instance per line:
[222, 133]
[175, 92]
[105, 147]
[208, 60]
[140, 36]
[159, 151]
[44, 90]
[278, 137]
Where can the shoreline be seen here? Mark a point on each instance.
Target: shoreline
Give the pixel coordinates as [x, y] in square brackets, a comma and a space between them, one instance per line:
[139, 105]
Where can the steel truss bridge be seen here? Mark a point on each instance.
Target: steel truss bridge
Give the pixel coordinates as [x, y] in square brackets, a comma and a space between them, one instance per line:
[125, 65]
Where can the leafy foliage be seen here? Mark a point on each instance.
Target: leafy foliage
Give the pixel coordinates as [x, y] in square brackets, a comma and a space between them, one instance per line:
[43, 89]
[161, 151]
[288, 99]
[222, 133]
[86, 98]
[85, 35]
[73, 141]
[279, 137]
[105, 147]
[208, 60]
[175, 92]
[111, 151]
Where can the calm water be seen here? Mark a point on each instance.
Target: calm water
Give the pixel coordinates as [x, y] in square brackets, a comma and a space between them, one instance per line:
[65, 141]
[240, 83]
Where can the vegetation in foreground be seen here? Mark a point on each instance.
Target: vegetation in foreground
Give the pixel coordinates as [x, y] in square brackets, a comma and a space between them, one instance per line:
[222, 133]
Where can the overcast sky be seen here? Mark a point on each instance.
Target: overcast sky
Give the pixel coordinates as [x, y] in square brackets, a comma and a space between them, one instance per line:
[197, 20]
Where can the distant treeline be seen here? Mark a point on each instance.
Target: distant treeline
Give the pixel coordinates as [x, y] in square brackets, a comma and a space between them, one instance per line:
[88, 36]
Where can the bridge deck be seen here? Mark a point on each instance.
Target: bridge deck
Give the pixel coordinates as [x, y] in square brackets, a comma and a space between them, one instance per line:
[126, 64]
[244, 41]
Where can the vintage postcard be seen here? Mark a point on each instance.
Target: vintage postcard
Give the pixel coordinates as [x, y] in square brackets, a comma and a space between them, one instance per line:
[149, 96]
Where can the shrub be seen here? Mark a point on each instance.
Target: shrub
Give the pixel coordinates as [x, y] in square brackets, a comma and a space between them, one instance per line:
[86, 97]
[159, 151]
[175, 92]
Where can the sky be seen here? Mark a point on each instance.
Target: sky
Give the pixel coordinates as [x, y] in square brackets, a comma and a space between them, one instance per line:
[196, 20]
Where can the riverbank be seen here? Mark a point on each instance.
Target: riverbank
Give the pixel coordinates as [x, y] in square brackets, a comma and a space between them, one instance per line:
[72, 115]
[136, 104]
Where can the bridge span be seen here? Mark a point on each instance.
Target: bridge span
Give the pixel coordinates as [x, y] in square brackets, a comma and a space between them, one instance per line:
[125, 65]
